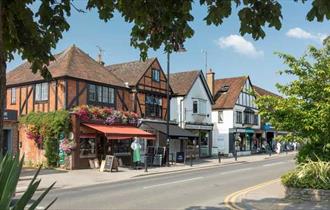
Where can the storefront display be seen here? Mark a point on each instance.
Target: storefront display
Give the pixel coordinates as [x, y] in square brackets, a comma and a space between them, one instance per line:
[87, 148]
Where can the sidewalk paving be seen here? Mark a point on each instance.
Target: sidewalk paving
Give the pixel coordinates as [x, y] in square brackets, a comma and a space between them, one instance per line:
[272, 197]
[79, 178]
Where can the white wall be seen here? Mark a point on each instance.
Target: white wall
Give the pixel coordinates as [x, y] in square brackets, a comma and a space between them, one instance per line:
[221, 130]
[197, 91]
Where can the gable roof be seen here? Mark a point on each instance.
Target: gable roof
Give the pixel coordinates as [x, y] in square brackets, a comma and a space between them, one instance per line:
[182, 82]
[72, 62]
[262, 92]
[131, 72]
[228, 100]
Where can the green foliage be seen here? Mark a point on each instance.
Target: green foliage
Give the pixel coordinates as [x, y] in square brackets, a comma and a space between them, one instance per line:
[305, 109]
[49, 125]
[311, 174]
[310, 149]
[10, 169]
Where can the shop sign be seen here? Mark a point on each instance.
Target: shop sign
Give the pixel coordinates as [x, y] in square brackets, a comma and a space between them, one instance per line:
[249, 130]
[10, 115]
[198, 127]
[267, 126]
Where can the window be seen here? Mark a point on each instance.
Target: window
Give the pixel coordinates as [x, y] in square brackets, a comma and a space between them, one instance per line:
[195, 107]
[100, 94]
[155, 75]
[220, 116]
[41, 92]
[153, 106]
[13, 95]
[238, 117]
[256, 119]
[91, 92]
[202, 107]
[87, 148]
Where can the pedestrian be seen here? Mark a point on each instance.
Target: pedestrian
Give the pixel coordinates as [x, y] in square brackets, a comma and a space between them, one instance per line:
[278, 148]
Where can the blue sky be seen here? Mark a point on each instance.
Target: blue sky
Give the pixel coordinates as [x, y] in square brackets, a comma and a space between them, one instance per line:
[229, 54]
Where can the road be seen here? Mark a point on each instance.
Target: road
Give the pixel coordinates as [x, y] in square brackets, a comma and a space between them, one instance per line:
[202, 189]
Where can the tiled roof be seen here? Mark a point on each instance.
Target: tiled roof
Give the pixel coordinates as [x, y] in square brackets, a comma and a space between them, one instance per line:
[72, 62]
[228, 99]
[131, 72]
[182, 82]
[262, 92]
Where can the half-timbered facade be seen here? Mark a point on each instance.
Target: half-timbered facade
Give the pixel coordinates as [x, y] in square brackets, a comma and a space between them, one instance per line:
[147, 83]
[77, 79]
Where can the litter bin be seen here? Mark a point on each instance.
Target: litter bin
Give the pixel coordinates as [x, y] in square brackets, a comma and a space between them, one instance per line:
[158, 160]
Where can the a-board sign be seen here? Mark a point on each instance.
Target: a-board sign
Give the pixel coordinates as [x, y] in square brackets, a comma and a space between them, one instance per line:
[109, 163]
[180, 157]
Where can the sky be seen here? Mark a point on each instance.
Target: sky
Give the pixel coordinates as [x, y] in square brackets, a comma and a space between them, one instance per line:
[228, 53]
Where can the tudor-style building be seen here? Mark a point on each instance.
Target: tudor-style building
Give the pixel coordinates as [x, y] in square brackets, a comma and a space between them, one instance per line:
[235, 115]
[77, 79]
[269, 132]
[191, 108]
[147, 83]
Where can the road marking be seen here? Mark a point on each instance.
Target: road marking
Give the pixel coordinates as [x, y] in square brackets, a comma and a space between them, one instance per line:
[273, 164]
[230, 200]
[237, 170]
[176, 182]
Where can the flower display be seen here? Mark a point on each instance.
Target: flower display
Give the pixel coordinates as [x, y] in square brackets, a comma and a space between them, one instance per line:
[32, 133]
[106, 115]
[67, 146]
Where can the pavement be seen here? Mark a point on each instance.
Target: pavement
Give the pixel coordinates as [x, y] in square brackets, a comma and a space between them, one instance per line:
[202, 188]
[68, 179]
[270, 195]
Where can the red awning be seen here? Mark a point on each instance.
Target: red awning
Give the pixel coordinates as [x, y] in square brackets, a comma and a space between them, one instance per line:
[120, 132]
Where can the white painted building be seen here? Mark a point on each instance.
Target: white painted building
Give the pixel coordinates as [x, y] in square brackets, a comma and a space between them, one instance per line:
[234, 115]
[191, 108]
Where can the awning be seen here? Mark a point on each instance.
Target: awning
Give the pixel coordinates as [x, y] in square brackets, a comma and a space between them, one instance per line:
[175, 131]
[120, 132]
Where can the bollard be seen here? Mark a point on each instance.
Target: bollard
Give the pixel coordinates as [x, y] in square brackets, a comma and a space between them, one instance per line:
[191, 160]
[219, 157]
[145, 163]
[235, 155]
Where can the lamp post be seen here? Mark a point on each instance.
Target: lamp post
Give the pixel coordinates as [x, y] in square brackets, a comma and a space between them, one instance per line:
[181, 49]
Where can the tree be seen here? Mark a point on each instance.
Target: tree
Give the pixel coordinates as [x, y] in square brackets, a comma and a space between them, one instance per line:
[305, 111]
[32, 28]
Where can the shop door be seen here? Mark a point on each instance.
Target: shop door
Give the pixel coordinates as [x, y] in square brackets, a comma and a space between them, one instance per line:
[204, 144]
[7, 141]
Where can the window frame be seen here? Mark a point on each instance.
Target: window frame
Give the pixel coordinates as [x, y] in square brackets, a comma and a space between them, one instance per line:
[156, 106]
[195, 109]
[155, 72]
[240, 119]
[13, 90]
[99, 95]
[41, 99]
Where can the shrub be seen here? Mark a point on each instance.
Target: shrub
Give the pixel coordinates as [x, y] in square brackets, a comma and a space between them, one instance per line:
[311, 174]
[314, 150]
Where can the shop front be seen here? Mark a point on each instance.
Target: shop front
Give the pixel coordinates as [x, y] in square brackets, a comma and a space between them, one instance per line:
[182, 143]
[95, 141]
[10, 132]
[244, 140]
[204, 133]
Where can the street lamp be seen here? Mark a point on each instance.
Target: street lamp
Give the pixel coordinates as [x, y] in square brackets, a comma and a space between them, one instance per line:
[181, 50]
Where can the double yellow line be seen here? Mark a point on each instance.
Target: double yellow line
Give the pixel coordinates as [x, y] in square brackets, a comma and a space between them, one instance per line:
[230, 200]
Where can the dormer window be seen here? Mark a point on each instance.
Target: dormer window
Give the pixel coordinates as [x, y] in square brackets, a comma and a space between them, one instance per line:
[224, 88]
[155, 75]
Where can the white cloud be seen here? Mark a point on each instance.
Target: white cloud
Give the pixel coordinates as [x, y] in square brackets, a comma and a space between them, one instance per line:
[302, 34]
[239, 45]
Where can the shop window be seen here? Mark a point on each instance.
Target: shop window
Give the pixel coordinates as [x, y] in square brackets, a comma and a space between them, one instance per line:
[87, 148]
[153, 106]
[220, 116]
[155, 75]
[239, 117]
[101, 95]
[13, 95]
[41, 93]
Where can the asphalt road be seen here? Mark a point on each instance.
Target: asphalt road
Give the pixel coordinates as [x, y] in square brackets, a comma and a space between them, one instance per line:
[202, 189]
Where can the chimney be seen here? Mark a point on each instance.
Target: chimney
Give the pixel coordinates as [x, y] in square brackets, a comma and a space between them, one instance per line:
[210, 80]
